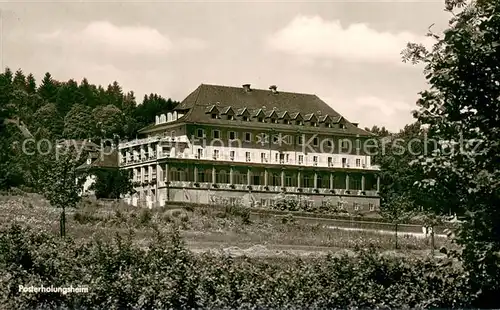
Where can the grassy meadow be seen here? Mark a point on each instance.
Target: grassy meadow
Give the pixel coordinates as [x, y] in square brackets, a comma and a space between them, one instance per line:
[202, 228]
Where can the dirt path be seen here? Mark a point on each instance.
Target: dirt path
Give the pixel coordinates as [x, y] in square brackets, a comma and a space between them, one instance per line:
[272, 250]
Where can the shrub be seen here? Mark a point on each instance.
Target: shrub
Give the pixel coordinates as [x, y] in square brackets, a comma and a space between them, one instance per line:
[165, 275]
[145, 217]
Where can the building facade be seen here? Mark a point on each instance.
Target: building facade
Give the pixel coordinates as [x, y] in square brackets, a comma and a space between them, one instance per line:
[250, 146]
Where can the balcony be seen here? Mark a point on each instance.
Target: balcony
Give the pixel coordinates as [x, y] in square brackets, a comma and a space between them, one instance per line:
[320, 162]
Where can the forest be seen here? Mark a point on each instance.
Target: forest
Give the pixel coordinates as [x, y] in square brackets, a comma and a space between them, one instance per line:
[460, 174]
[59, 110]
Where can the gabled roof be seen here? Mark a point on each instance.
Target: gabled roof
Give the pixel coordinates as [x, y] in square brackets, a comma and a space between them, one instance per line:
[243, 111]
[108, 159]
[256, 101]
[259, 112]
[271, 113]
[310, 117]
[325, 119]
[283, 115]
[297, 116]
[227, 110]
[211, 108]
[338, 119]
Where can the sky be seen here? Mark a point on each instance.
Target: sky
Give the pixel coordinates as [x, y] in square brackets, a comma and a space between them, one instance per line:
[345, 52]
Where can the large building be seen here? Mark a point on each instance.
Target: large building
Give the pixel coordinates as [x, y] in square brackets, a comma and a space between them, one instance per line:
[248, 146]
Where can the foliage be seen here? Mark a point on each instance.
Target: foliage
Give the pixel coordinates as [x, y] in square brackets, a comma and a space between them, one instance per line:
[61, 183]
[461, 110]
[296, 204]
[166, 275]
[109, 121]
[47, 118]
[78, 123]
[111, 183]
[66, 110]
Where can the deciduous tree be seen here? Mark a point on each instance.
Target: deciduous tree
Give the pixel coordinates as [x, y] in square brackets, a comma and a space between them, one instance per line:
[462, 110]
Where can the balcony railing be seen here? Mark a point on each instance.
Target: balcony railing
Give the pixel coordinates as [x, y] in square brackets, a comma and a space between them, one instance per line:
[221, 157]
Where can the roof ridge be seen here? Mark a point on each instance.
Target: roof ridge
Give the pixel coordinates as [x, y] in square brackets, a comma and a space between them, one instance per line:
[258, 89]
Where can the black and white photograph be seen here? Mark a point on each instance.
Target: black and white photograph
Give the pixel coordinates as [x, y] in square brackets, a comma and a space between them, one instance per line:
[248, 154]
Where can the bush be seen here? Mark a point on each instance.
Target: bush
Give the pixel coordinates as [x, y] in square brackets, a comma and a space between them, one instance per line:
[164, 274]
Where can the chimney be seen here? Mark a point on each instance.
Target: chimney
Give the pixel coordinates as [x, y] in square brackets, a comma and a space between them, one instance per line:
[246, 87]
[274, 89]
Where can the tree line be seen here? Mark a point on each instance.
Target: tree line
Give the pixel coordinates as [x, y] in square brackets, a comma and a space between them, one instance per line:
[59, 110]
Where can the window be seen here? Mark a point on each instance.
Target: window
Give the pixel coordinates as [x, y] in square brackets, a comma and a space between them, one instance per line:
[345, 144]
[315, 159]
[247, 156]
[328, 125]
[215, 116]
[301, 159]
[371, 206]
[330, 161]
[245, 118]
[299, 140]
[274, 121]
[344, 162]
[216, 134]
[172, 133]
[232, 135]
[199, 133]
[316, 141]
[263, 202]
[356, 206]
[248, 137]
[230, 118]
[231, 155]
[275, 139]
[261, 120]
[286, 122]
[216, 154]
[341, 126]
[300, 123]
[314, 124]
[340, 205]
[199, 153]
[358, 162]
[329, 143]
[263, 157]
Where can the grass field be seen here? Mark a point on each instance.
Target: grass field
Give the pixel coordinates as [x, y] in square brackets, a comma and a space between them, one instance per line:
[202, 228]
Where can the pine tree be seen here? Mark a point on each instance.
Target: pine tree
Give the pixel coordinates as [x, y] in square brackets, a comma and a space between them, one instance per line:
[48, 88]
[31, 84]
[19, 81]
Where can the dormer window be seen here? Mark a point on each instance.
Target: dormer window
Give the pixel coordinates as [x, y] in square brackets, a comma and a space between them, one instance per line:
[215, 116]
[314, 124]
[341, 126]
[230, 118]
[245, 118]
[261, 120]
[300, 123]
[328, 125]
[274, 121]
[286, 122]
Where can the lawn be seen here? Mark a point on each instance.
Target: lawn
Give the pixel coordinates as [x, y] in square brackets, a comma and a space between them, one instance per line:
[202, 228]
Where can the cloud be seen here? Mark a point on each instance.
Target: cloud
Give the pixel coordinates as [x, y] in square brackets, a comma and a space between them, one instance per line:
[369, 110]
[104, 36]
[315, 38]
